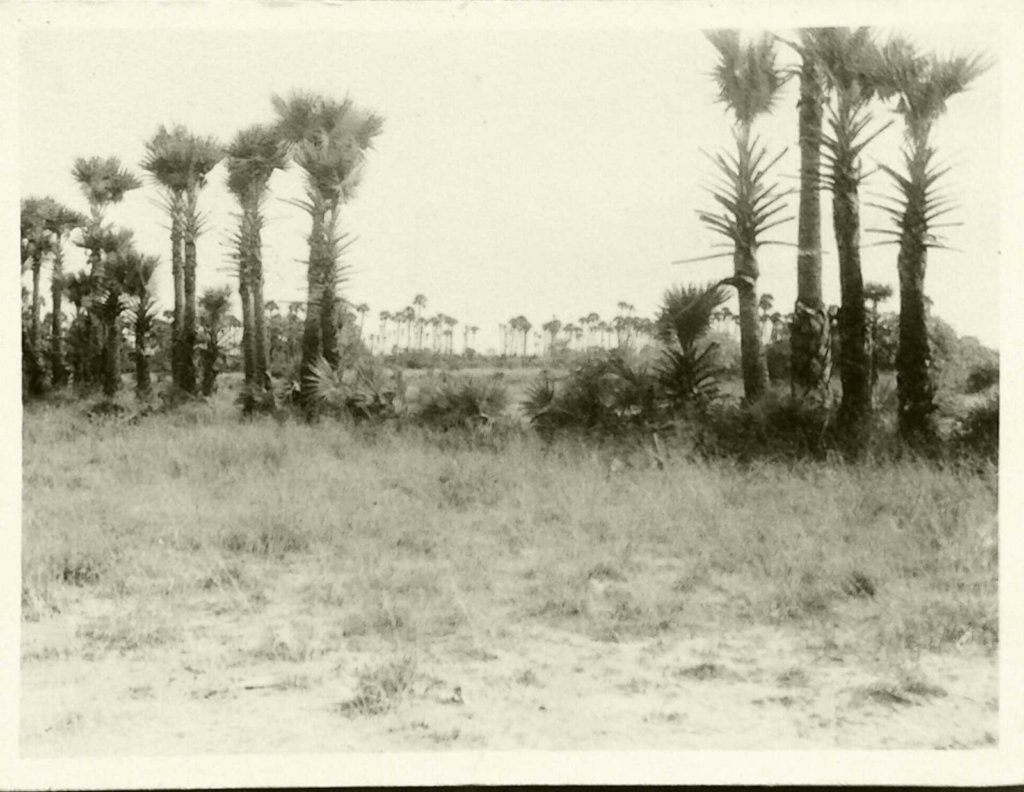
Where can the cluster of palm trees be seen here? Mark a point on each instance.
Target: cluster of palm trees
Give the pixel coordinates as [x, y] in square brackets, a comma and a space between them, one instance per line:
[843, 75]
[325, 138]
[420, 332]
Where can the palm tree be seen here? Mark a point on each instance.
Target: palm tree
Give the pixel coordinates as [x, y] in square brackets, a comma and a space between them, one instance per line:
[923, 84]
[36, 246]
[850, 63]
[120, 263]
[329, 140]
[419, 303]
[138, 285]
[875, 293]
[79, 288]
[104, 182]
[214, 304]
[809, 336]
[449, 332]
[552, 328]
[251, 159]
[180, 162]
[362, 309]
[45, 225]
[764, 307]
[748, 84]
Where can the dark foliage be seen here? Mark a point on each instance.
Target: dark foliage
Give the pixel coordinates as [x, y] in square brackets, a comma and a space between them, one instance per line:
[977, 433]
[462, 404]
[983, 377]
[773, 427]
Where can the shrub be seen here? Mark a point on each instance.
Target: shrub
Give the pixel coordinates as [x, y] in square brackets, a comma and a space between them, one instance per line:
[602, 395]
[772, 427]
[464, 403]
[983, 377]
[609, 396]
[977, 433]
[365, 391]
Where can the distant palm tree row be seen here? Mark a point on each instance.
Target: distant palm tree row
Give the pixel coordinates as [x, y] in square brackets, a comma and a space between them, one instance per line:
[843, 74]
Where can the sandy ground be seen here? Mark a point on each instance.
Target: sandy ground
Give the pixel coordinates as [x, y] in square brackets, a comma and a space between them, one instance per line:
[226, 680]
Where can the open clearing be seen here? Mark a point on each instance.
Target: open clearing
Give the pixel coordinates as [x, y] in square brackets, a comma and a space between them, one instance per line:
[197, 584]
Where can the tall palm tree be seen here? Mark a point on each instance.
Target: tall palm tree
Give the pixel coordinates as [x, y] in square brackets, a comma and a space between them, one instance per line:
[851, 65]
[62, 223]
[139, 287]
[748, 82]
[45, 225]
[922, 84]
[180, 162]
[328, 140]
[251, 159]
[36, 247]
[809, 336]
[105, 182]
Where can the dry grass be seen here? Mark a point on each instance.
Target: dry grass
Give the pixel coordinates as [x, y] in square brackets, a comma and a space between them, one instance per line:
[188, 522]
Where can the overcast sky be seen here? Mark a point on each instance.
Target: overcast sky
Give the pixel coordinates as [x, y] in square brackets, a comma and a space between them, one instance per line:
[548, 172]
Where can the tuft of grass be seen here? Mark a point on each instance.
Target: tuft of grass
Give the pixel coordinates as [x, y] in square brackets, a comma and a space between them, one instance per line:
[909, 688]
[130, 632]
[381, 689]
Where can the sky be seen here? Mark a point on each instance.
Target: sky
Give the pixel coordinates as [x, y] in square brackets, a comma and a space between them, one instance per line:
[549, 172]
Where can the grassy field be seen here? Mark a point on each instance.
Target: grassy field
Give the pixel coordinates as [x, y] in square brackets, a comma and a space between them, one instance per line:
[193, 582]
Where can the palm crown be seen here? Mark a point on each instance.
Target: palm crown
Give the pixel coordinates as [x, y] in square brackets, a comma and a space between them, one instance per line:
[252, 157]
[747, 77]
[924, 83]
[104, 181]
[180, 160]
[328, 139]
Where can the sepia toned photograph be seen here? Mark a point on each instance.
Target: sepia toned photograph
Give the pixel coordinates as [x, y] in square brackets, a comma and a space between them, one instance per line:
[481, 387]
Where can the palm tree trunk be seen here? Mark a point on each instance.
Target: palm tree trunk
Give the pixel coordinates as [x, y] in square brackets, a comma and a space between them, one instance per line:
[177, 274]
[261, 344]
[752, 357]
[312, 328]
[248, 335]
[35, 326]
[809, 329]
[143, 385]
[112, 354]
[188, 333]
[58, 366]
[913, 363]
[854, 365]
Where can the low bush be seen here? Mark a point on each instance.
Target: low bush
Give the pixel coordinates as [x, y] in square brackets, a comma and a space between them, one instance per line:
[977, 433]
[774, 427]
[461, 403]
[983, 377]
